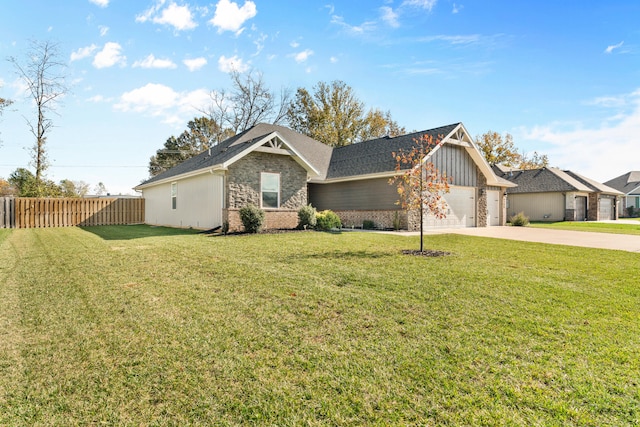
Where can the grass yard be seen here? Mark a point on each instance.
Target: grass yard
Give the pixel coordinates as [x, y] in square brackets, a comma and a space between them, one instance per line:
[599, 227]
[136, 325]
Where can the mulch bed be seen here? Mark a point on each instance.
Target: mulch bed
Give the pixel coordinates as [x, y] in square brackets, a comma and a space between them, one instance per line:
[427, 253]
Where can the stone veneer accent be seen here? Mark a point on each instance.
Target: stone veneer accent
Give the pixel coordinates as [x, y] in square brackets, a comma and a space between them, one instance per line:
[243, 188]
[380, 218]
[481, 203]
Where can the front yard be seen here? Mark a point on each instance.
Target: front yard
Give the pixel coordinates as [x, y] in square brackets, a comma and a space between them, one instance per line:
[136, 325]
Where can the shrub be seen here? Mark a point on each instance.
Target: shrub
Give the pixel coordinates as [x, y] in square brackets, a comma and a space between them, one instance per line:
[307, 217]
[519, 220]
[326, 220]
[397, 222]
[367, 224]
[630, 211]
[252, 218]
[225, 227]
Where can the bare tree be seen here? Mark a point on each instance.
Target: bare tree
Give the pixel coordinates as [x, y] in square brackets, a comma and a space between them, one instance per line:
[43, 74]
[248, 103]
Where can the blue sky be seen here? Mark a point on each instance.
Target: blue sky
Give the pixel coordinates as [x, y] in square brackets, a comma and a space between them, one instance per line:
[563, 77]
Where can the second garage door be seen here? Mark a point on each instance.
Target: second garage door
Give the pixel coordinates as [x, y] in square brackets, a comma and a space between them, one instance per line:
[461, 209]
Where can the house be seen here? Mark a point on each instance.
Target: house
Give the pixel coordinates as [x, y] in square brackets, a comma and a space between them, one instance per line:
[551, 194]
[629, 185]
[356, 185]
[280, 170]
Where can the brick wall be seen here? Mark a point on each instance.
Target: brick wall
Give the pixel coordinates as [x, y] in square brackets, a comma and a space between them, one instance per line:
[380, 218]
[273, 219]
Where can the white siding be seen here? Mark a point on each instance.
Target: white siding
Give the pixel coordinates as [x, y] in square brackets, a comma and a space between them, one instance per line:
[537, 206]
[199, 203]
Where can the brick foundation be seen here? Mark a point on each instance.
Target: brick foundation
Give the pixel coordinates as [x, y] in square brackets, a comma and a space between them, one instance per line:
[273, 219]
[382, 219]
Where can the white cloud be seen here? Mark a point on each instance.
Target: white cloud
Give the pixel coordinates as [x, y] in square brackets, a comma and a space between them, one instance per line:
[294, 44]
[259, 42]
[179, 17]
[611, 48]
[389, 16]
[226, 65]
[152, 62]
[109, 56]
[103, 30]
[303, 56]
[161, 101]
[101, 3]
[457, 8]
[230, 17]
[424, 4]
[96, 98]
[83, 52]
[333, 59]
[455, 40]
[599, 151]
[195, 63]
[365, 27]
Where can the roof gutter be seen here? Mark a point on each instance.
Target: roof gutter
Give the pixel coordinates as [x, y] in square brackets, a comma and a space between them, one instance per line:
[210, 169]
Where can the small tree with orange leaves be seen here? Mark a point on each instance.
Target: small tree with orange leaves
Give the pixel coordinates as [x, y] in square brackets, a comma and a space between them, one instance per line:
[419, 183]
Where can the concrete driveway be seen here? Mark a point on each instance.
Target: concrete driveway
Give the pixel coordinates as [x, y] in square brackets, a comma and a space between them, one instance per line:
[621, 242]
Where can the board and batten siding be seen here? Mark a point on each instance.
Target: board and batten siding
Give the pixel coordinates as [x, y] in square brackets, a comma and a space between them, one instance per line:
[457, 164]
[378, 194]
[537, 206]
[369, 194]
[198, 205]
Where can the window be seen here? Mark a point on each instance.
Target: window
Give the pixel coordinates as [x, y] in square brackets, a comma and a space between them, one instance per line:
[270, 189]
[174, 195]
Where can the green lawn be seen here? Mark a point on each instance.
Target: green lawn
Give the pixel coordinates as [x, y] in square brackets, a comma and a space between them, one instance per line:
[599, 227]
[148, 326]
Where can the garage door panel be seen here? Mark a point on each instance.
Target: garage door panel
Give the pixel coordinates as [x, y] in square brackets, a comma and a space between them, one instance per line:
[460, 209]
[606, 209]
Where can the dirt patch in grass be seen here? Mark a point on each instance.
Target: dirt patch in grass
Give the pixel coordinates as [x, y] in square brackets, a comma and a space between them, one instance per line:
[426, 253]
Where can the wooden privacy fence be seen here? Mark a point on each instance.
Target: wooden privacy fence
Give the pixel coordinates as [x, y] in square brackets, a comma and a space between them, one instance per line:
[44, 212]
[7, 212]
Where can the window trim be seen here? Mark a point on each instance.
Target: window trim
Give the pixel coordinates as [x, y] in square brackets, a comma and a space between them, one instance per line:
[262, 180]
[174, 195]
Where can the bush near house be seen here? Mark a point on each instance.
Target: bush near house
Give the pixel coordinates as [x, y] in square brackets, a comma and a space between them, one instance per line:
[307, 217]
[519, 220]
[252, 218]
[326, 220]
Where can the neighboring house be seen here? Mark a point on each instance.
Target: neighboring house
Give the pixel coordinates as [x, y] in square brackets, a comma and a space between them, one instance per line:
[280, 170]
[629, 185]
[551, 194]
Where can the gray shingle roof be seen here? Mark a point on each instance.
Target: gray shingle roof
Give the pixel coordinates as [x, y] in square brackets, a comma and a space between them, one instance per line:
[375, 156]
[315, 153]
[551, 180]
[628, 183]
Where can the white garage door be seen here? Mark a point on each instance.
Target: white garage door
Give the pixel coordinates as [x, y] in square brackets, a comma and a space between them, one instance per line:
[493, 207]
[461, 209]
[606, 209]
